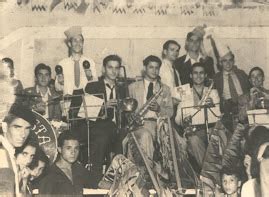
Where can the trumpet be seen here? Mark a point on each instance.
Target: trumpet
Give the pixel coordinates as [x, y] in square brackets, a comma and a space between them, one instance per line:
[206, 96]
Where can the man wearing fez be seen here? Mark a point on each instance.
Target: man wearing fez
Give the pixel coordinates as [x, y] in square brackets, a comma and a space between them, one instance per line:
[77, 69]
[15, 130]
[103, 133]
[230, 82]
[44, 104]
[195, 53]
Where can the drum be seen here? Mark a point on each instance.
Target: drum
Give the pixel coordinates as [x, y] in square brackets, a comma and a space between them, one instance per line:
[45, 135]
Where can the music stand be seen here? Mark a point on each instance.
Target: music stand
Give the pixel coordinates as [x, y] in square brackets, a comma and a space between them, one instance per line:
[206, 108]
[85, 106]
[258, 117]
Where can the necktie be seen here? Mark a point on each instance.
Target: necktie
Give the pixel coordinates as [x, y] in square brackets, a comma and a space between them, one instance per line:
[232, 88]
[150, 90]
[175, 76]
[77, 73]
[110, 111]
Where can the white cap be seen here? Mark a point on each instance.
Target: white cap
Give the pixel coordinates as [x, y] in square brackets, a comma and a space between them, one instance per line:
[223, 49]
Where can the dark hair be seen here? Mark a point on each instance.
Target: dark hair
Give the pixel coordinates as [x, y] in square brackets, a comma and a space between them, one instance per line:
[254, 69]
[231, 170]
[168, 42]
[28, 142]
[39, 156]
[9, 61]
[198, 64]
[111, 58]
[152, 58]
[9, 118]
[42, 66]
[66, 135]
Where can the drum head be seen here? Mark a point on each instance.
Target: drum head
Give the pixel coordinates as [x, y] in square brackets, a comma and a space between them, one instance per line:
[45, 135]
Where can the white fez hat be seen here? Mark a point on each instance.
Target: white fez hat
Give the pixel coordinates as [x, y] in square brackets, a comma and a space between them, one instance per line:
[223, 49]
[73, 31]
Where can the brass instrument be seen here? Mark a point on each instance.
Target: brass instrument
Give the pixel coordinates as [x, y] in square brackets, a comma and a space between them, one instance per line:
[206, 96]
[136, 119]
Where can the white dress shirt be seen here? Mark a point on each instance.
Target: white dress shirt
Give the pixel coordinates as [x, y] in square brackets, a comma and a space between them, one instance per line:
[45, 99]
[69, 76]
[108, 92]
[167, 74]
[226, 88]
[149, 114]
[193, 60]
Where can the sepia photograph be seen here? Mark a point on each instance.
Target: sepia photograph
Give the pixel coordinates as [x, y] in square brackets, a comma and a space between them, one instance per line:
[134, 98]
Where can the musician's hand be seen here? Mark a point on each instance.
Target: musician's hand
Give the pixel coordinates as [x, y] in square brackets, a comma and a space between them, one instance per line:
[209, 102]
[88, 73]
[247, 163]
[60, 79]
[187, 121]
[40, 107]
[253, 92]
[112, 103]
[154, 106]
[24, 173]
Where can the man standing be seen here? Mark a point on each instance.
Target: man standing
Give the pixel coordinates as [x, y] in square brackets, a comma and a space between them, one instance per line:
[45, 105]
[231, 82]
[194, 48]
[197, 140]
[142, 91]
[169, 75]
[77, 70]
[103, 133]
[16, 128]
[66, 176]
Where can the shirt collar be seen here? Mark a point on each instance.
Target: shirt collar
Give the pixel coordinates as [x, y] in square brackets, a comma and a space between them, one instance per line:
[193, 60]
[106, 82]
[7, 145]
[147, 82]
[47, 93]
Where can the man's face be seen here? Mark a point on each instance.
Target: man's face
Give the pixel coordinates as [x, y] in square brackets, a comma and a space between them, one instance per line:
[227, 62]
[194, 43]
[38, 170]
[43, 77]
[256, 79]
[69, 151]
[230, 184]
[152, 70]
[112, 69]
[198, 75]
[172, 52]
[26, 156]
[76, 44]
[18, 131]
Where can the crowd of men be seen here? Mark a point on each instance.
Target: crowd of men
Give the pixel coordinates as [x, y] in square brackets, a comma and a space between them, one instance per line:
[221, 151]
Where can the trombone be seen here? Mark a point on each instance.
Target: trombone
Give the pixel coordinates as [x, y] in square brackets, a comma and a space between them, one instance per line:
[126, 104]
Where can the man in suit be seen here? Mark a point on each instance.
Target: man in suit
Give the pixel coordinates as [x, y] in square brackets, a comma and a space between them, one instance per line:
[45, 103]
[15, 130]
[161, 107]
[194, 48]
[104, 131]
[230, 82]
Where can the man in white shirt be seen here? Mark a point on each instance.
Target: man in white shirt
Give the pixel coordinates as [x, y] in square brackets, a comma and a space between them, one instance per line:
[169, 75]
[77, 69]
[16, 128]
[197, 139]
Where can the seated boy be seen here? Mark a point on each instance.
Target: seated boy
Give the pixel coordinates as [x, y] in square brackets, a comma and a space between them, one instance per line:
[231, 182]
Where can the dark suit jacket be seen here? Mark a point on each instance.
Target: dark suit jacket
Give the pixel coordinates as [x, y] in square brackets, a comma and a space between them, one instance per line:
[242, 77]
[98, 87]
[218, 82]
[184, 68]
[54, 107]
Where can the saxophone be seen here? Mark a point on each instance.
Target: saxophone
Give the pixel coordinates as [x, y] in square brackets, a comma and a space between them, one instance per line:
[136, 119]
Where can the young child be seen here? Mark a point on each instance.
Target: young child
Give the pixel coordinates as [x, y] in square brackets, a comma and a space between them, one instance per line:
[231, 181]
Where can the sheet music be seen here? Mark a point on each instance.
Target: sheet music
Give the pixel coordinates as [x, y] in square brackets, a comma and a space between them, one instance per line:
[93, 105]
[199, 117]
